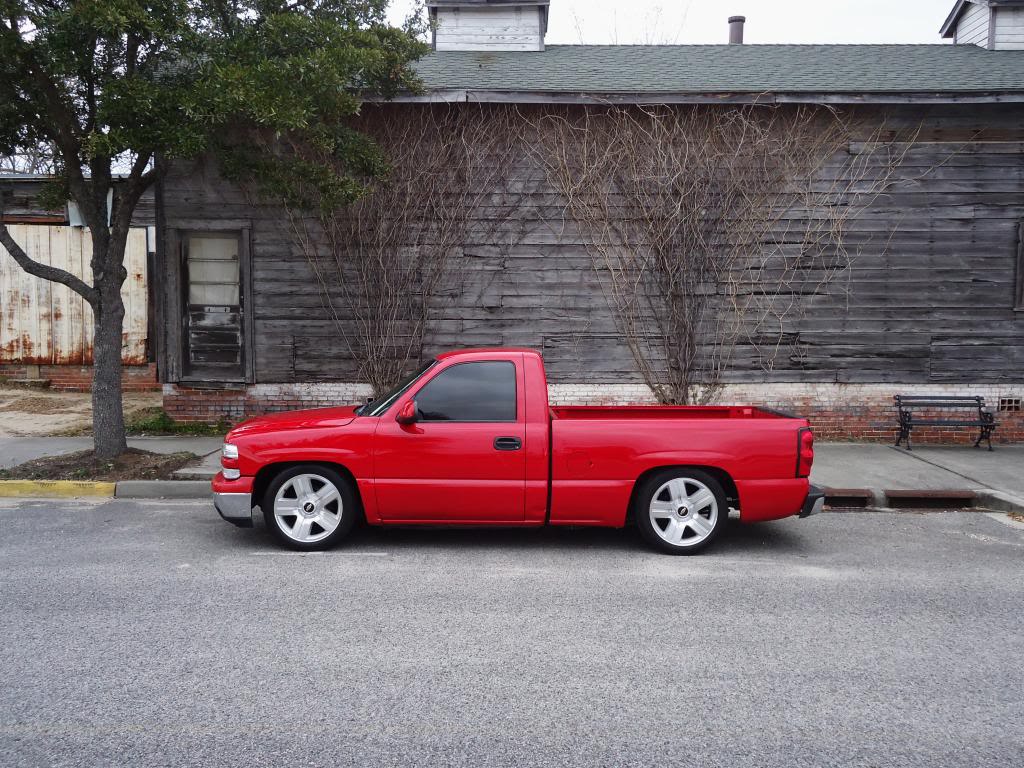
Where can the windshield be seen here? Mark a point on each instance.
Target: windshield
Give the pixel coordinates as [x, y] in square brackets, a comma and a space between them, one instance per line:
[377, 407]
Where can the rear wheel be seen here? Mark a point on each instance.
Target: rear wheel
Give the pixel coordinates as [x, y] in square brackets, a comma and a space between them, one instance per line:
[310, 507]
[680, 511]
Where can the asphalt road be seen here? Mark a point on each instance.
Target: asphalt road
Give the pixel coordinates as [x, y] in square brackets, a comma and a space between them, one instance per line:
[153, 634]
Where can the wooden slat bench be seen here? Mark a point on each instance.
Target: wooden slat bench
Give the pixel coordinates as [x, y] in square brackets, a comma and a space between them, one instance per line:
[907, 405]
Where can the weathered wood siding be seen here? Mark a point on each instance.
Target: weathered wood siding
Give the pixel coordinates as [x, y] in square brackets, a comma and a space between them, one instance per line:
[44, 323]
[22, 204]
[929, 296]
[973, 28]
[498, 28]
[1009, 30]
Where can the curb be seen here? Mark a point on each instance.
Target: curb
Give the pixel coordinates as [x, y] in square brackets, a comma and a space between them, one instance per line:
[125, 489]
[1001, 502]
[163, 489]
[873, 499]
[838, 498]
[55, 489]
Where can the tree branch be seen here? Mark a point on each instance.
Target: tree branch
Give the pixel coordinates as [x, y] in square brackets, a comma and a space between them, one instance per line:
[138, 181]
[44, 271]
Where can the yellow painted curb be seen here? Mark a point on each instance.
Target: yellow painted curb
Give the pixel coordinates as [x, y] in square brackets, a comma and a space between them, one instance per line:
[51, 489]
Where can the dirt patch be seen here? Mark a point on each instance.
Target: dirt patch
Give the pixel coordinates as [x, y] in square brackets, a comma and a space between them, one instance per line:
[1016, 516]
[27, 404]
[133, 464]
[37, 413]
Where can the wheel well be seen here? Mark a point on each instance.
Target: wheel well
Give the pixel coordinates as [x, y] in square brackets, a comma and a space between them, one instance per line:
[267, 474]
[724, 479]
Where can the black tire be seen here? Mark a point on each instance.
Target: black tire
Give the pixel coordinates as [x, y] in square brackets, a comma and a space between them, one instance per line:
[350, 508]
[688, 544]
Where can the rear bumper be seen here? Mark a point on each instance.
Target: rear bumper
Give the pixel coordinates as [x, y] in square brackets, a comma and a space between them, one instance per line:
[236, 508]
[814, 503]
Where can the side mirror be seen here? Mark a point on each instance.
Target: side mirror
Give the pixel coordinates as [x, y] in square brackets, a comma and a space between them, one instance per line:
[408, 413]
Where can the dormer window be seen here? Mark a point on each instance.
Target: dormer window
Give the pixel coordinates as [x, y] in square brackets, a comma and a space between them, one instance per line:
[488, 25]
[997, 25]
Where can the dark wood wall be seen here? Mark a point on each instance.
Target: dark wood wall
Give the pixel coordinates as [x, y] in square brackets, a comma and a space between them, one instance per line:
[22, 204]
[929, 296]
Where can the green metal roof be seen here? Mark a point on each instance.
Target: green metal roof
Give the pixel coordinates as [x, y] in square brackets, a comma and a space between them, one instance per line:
[727, 69]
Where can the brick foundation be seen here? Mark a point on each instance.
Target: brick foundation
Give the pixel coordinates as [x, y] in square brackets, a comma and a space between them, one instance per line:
[837, 411]
[78, 378]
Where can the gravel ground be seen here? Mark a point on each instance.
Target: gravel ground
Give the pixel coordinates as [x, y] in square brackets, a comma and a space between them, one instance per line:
[154, 634]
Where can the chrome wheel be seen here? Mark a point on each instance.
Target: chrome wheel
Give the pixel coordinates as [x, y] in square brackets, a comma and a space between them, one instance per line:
[308, 508]
[684, 512]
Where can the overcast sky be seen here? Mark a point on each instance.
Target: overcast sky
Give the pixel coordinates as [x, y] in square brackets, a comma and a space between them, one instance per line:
[768, 21]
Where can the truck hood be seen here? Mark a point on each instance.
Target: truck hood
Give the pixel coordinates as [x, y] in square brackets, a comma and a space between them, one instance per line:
[306, 419]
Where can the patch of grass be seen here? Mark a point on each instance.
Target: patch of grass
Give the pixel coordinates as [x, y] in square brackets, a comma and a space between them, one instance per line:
[133, 464]
[155, 421]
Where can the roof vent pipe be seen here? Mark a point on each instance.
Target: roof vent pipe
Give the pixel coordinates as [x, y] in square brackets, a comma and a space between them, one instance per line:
[736, 29]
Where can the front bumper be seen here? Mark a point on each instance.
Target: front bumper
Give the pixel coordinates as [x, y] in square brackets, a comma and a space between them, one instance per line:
[236, 508]
[815, 502]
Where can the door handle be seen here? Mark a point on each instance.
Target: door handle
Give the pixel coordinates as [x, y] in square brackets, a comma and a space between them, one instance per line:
[507, 443]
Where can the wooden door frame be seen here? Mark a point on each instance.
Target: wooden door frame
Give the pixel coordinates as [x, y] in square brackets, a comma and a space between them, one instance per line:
[174, 296]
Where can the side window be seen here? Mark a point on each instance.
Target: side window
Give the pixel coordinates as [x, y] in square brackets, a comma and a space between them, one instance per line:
[470, 392]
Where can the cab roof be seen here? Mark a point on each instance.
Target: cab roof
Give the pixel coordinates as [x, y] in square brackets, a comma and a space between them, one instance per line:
[487, 350]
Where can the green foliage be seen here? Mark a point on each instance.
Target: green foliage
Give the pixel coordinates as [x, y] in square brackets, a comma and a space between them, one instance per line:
[251, 81]
[156, 421]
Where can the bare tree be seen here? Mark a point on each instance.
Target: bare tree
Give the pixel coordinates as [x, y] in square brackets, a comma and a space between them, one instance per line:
[383, 261]
[709, 225]
[37, 159]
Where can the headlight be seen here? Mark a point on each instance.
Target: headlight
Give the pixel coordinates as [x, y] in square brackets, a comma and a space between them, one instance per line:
[229, 451]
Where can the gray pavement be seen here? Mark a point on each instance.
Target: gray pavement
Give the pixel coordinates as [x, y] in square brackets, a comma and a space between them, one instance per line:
[862, 465]
[152, 634]
[1002, 469]
[17, 450]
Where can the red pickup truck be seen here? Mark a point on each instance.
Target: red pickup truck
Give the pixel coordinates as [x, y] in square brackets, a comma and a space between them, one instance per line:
[470, 439]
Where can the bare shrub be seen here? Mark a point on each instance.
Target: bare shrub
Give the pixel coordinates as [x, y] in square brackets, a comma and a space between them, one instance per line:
[383, 262]
[709, 225]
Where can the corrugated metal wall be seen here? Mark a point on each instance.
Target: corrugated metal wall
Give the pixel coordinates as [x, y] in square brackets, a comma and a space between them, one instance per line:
[44, 323]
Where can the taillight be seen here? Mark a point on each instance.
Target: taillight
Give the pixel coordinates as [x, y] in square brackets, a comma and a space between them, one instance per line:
[805, 452]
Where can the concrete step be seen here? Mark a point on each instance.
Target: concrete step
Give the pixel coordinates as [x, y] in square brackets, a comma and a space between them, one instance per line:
[196, 473]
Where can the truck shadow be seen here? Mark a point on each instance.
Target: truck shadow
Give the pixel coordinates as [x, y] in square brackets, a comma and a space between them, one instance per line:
[780, 537]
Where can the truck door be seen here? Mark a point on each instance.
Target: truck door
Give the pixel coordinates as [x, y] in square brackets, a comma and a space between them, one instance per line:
[463, 459]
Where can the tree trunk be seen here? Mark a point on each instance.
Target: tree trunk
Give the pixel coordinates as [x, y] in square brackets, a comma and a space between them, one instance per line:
[108, 314]
[107, 409]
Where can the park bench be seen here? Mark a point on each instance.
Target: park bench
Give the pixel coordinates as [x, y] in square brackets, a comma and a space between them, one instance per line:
[910, 406]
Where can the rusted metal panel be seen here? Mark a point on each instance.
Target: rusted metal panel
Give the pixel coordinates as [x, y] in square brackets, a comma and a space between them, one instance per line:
[44, 323]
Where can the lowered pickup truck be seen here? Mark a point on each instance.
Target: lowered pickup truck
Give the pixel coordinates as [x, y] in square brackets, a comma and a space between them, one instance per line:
[470, 439]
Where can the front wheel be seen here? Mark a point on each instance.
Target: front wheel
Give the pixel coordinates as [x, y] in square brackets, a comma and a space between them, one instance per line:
[680, 511]
[310, 507]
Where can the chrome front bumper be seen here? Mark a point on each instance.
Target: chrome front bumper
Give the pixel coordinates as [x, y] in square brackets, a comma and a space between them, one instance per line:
[236, 508]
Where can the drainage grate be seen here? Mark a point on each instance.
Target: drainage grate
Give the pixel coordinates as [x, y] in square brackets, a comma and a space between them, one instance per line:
[848, 498]
[930, 499]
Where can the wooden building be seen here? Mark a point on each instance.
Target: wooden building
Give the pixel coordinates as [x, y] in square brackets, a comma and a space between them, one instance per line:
[46, 329]
[932, 300]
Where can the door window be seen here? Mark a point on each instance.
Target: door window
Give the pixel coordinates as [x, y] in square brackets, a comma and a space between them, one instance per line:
[470, 392]
[213, 306]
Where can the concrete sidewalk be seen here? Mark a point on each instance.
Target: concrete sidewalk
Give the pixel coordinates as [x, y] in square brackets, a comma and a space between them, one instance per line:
[927, 468]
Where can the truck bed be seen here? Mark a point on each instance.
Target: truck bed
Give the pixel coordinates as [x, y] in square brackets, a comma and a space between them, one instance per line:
[598, 452]
[660, 412]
